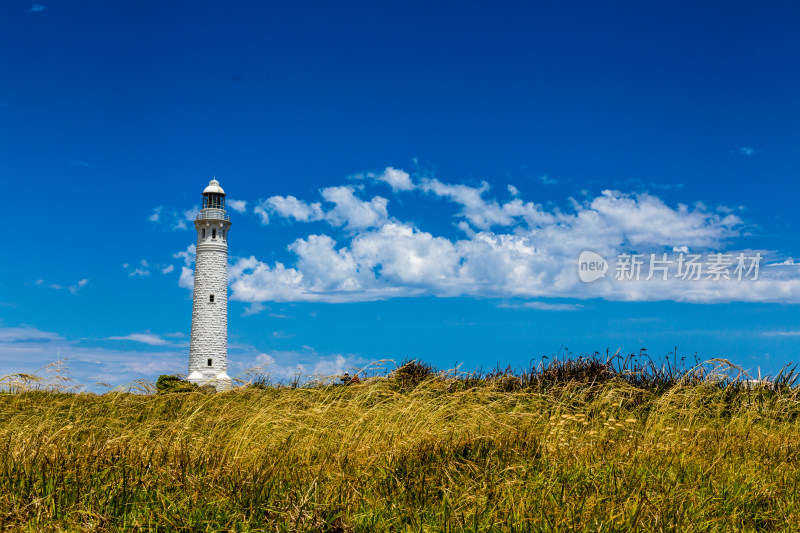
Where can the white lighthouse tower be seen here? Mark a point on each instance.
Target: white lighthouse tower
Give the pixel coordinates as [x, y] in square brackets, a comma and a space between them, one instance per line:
[208, 346]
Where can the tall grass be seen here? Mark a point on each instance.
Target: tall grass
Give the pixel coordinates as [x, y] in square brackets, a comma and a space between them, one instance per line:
[588, 444]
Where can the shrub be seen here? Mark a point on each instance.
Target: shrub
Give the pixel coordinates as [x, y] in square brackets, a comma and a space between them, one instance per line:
[411, 373]
[172, 383]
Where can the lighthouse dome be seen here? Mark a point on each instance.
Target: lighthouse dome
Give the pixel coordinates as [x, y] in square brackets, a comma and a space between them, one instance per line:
[213, 187]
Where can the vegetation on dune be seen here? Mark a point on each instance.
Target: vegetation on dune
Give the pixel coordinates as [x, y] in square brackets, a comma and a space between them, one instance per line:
[167, 384]
[583, 444]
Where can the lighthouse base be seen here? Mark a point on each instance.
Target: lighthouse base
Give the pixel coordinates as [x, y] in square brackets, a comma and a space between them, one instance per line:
[220, 382]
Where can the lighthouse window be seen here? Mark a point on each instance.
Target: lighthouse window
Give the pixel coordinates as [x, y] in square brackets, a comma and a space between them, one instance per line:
[224, 234]
[211, 298]
[209, 362]
[214, 233]
[213, 201]
[204, 233]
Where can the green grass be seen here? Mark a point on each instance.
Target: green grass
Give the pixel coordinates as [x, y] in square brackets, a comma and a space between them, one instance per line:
[600, 451]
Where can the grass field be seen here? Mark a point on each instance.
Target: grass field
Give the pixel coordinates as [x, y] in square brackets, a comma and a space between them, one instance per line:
[577, 445]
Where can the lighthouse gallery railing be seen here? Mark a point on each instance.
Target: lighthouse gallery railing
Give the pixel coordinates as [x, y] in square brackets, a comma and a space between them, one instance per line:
[212, 214]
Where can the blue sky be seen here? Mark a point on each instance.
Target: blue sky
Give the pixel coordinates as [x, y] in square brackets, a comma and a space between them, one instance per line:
[412, 180]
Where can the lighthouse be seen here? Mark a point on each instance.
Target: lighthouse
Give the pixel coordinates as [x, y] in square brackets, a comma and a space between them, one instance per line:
[208, 345]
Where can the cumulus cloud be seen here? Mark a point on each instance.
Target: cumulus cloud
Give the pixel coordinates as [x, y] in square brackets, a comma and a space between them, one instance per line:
[288, 207]
[509, 249]
[347, 211]
[398, 180]
[187, 255]
[240, 206]
[186, 279]
[478, 211]
[351, 212]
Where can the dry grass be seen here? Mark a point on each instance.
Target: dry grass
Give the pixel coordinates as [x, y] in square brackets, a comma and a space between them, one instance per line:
[496, 453]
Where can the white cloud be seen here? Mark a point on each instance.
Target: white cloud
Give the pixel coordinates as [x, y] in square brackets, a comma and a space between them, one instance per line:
[167, 269]
[288, 207]
[37, 8]
[348, 210]
[253, 309]
[145, 338]
[189, 215]
[186, 279]
[72, 289]
[286, 365]
[146, 355]
[240, 206]
[398, 180]
[172, 219]
[256, 282]
[142, 271]
[542, 306]
[547, 180]
[29, 350]
[351, 212]
[745, 150]
[265, 359]
[262, 210]
[21, 334]
[475, 209]
[187, 255]
[509, 248]
[787, 262]
[535, 258]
